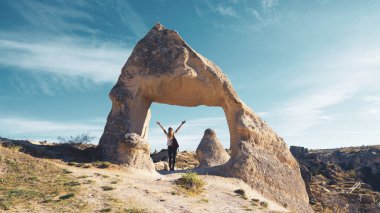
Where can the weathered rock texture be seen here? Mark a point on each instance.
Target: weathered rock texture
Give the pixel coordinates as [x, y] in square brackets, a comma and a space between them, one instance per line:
[341, 180]
[210, 151]
[163, 68]
[161, 165]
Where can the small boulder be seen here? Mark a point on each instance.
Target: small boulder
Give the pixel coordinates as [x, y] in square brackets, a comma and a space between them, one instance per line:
[210, 151]
[162, 165]
[160, 156]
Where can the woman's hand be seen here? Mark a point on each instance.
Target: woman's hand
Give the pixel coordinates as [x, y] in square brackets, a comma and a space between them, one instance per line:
[158, 123]
[183, 122]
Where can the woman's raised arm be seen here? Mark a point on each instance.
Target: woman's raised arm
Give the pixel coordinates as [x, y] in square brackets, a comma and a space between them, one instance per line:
[183, 122]
[162, 127]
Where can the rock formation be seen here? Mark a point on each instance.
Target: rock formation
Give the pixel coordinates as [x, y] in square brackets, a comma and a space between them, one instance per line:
[345, 179]
[160, 156]
[210, 151]
[164, 69]
[162, 165]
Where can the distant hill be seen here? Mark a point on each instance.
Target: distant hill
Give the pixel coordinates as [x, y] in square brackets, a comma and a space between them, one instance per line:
[342, 179]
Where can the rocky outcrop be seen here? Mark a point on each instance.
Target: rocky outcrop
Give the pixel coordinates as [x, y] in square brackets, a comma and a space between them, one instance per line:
[210, 151]
[161, 165]
[163, 68]
[335, 180]
[132, 151]
[160, 156]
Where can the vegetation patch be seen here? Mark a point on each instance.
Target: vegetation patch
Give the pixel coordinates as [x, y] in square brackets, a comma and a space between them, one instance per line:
[107, 188]
[204, 200]
[135, 210]
[83, 138]
[191, 183]
[65, 171]
[29, 184]
[66, 196]
[264, 204]
[241, 193]
[102, 164]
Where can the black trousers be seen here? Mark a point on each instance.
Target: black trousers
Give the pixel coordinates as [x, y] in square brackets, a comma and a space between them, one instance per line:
[172, 152]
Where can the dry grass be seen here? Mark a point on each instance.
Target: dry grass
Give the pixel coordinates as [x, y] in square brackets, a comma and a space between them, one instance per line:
[102, 164]
[187, 160]
[30, 184]
[191, 183]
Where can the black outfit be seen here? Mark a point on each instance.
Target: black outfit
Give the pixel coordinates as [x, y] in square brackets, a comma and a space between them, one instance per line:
[172, 152]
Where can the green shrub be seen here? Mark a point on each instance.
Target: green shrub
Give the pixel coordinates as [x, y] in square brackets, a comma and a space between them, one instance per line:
[83, 138]
[135, 210]
[101, 164]
[107, 188]
[66, 196]
[191, 182]
[264, 204]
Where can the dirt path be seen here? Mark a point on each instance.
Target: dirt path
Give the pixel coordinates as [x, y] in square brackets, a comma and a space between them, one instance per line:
[154, 192]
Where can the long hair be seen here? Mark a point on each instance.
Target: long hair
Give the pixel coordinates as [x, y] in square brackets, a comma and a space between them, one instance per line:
[170, 132]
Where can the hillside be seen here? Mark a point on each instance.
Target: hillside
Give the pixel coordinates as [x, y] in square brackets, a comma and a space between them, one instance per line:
[342, 179]
[65, 177]
[37, 184]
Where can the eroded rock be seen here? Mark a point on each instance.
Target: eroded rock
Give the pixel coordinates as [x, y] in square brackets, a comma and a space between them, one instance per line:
[210, 151]
[164, 69]
[162, 165]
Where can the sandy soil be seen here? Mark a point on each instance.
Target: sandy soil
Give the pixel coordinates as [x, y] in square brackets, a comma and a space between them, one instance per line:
[156, 192]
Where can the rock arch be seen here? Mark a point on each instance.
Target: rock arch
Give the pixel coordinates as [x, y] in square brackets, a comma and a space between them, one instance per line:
[163, 68]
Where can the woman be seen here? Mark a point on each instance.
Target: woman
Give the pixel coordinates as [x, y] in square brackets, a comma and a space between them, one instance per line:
[172, 150]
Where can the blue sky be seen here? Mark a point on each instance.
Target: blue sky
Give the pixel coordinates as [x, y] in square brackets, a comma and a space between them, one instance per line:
[311, 69]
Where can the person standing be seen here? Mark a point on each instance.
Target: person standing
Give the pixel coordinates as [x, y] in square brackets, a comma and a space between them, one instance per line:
[171, 143]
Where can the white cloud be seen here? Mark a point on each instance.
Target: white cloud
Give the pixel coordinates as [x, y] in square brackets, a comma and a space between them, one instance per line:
[191, 133]
[269, 4]
[372, 107]
[255, 13]
[222, 10]
[339, 78]
[37, 129]
[131, 18]
[198, 12]
[225, 11]
[54, 17]
[66, 57]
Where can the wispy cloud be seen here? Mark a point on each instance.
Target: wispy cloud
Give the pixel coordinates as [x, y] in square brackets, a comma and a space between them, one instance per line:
[66, 57]
[59, 44]
[131, 18]
[338, 79]
[372, 107]
[268, 5]
[225, 10]
[37, 129]
[191, 133]
[255, 13]
[222, 9]
[55, 17]
[198, 12]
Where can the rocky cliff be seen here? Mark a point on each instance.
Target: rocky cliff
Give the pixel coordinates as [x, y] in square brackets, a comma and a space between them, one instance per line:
[345, 179]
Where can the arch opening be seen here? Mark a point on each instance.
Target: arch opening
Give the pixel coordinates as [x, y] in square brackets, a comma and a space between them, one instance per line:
[198, 119]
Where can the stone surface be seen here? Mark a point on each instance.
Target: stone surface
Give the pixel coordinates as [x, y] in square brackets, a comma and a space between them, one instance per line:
[160, 156]
[210, 151]
[161, 165]
[334, 178]
[164, 69]
[132, 151]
